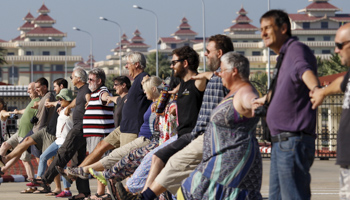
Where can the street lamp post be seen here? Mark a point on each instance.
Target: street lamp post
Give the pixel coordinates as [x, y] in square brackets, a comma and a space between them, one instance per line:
[91, 44]
[31, 66]
[120, 42]
[155, 15]
[13, 72]
[268, 55]
[204, 47]
[65, 58]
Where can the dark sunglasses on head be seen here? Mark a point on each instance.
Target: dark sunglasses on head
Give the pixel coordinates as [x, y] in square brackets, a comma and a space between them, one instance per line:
[341, 45]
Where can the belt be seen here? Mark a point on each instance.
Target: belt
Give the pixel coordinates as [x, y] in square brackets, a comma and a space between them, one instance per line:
[284, 136]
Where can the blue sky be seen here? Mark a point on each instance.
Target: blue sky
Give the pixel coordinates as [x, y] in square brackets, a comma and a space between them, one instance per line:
[85, 15]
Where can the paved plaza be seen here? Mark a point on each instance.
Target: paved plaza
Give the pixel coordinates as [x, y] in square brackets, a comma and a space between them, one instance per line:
[324, 183]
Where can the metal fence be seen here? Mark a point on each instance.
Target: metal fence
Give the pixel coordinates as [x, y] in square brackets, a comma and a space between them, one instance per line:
[327, 124]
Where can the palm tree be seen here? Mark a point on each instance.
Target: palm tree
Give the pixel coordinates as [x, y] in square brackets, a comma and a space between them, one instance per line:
[2, 56]
[164, 69]
[331, 66]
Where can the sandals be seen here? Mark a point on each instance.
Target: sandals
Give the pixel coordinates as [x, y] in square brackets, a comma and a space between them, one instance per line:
[60, 170]
[29, 190]
[112, 189]
[52, 194]
[76, 198]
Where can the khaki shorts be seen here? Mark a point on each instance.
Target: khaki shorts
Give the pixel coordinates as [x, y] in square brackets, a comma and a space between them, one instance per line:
[14, 141]
[117, 154]
[43, 139]
[181, 165]
[117, 138]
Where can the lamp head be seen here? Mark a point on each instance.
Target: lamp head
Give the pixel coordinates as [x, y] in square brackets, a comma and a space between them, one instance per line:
[102, 18]
[75, 28]
[137, 7]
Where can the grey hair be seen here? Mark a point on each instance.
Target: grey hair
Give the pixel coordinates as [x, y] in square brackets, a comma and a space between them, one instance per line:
[236, 60]
[99, 73]
[137, 57]
[81, 73]
[153, 81]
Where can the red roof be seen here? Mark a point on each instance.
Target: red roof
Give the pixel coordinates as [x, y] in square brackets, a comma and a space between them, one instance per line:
[321, 6]
[125, 42]
[17, 38]
[184, 25]
[304, 17]
[28, 16]
[184, 19]
[137, 32]
[170, 40]
[27, 25]
[138, 38]
[185, 32]
[2, 40]
[137, 44]
[43, 8]
[44, 18]
[326, 80]
[341, 18]
[242, 11]
[243, 18]
[44, 30]
[243, 27]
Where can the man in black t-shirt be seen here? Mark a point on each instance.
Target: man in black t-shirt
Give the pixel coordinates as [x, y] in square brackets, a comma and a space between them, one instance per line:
[341, 84]
[74, 147]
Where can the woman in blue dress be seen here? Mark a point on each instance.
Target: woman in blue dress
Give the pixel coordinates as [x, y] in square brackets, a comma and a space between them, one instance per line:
[231, 167]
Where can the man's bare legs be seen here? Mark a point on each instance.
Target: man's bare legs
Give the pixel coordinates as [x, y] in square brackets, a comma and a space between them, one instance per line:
[21, 147]
[156, 167]
[97, 153]
[4, 148]
[29, 169]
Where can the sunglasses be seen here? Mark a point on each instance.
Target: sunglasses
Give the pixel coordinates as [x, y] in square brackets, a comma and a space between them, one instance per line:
[341, 45]
[173, 62]
[117, 84]
[90, 79]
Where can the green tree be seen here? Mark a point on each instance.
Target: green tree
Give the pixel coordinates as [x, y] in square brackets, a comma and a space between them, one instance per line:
[2, 56]
[109, 81]
[331, 66]
[163, 62]
[259, 81]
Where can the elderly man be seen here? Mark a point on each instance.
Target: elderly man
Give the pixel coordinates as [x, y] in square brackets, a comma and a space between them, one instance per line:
[43, 138]
[341, 84]
[98, 118]
[133, 111]
[167, 174]
[24, 127]
[74, 147]
[289, 116]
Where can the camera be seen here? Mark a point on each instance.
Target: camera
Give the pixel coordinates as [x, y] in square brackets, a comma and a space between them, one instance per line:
[34, 120]
[13, 116]
[260, 111]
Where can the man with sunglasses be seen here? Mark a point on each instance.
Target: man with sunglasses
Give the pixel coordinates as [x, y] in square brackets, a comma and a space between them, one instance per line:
[339, 85]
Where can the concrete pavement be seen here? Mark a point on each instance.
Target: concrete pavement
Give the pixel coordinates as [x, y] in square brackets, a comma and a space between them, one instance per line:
[324, 184]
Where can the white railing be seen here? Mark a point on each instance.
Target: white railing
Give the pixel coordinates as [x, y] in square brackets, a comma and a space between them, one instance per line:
[319, 43]
[256, 45]
[43, 58]
[19, 90]
[36, 44]
[313, 32]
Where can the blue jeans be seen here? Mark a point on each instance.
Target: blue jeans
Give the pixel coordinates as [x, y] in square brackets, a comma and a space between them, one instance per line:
[291, 161]
[45, 156]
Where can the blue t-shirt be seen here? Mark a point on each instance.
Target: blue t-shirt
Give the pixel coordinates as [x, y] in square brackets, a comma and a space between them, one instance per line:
[290, 108]
[134, 108]
[147, 127]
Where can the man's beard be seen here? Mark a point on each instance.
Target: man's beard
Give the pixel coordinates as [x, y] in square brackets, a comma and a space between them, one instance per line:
[214, 64]
[92, 87]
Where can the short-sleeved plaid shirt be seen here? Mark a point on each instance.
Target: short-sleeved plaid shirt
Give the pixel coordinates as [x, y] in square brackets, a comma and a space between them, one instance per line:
[214, 93]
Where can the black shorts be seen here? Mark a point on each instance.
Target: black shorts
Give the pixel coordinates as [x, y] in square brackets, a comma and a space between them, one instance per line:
[165, 153]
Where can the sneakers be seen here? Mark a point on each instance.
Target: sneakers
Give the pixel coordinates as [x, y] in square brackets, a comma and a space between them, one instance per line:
[77, 172]
[32, 184]
[64, 194]
[98, 175]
